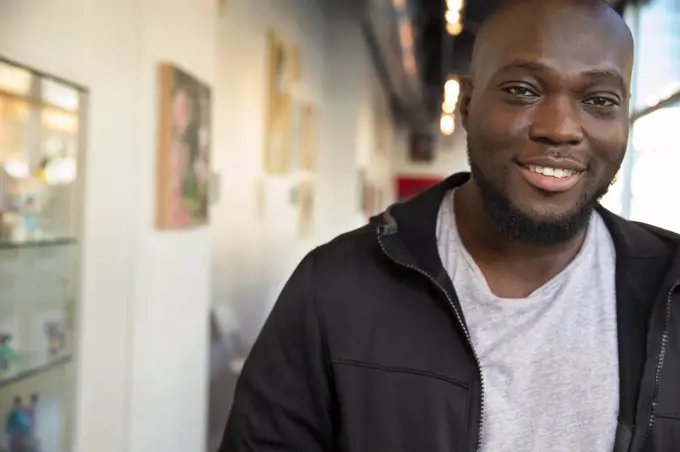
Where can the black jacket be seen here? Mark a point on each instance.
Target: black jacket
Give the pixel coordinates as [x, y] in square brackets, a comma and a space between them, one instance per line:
[366, 349]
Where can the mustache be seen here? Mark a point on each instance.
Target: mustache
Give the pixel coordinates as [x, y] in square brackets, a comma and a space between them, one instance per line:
[558, 153]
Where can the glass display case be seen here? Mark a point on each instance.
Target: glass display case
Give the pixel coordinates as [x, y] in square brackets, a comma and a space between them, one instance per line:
[41, 131]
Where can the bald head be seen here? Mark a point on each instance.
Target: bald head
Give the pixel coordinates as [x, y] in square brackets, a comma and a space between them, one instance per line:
[575, 23]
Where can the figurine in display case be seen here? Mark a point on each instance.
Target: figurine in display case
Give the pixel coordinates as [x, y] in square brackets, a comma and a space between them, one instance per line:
[8, 355]
[29, 215]
[20, 426]
[21, 199]
[56, 338]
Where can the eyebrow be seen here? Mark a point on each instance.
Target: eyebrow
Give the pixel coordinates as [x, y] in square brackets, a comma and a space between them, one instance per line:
[606, 74]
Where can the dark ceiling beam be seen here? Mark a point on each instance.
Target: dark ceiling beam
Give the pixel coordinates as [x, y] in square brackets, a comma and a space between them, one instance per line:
[405, 89]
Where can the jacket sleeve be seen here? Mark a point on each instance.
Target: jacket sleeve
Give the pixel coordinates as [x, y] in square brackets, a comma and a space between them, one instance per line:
[283, 399]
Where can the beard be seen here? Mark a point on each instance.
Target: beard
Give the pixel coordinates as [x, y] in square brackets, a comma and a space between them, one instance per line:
[517, 226]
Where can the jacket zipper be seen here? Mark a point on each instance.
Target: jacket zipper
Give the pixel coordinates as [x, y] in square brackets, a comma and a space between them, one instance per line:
[659, 364]
[459, 318]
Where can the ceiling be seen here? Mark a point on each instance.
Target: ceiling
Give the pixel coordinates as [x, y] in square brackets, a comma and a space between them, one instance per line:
[438, 53]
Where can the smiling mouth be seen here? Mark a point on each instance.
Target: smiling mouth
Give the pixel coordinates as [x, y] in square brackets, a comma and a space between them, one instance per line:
[558, 173]
[550, 179]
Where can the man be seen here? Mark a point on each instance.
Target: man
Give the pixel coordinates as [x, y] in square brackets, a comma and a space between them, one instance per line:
[502, 311]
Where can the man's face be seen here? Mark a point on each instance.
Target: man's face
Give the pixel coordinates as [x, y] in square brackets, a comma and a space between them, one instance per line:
[546, 111]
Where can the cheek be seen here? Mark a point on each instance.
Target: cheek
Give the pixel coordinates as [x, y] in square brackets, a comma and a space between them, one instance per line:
[501, 123]
[609, 146]
[498, 133]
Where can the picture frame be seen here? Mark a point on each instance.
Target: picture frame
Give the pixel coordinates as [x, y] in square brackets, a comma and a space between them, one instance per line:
[283, 73]
[184, 149]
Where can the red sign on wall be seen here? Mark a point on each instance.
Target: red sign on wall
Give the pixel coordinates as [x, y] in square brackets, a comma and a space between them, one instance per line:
[408, 186]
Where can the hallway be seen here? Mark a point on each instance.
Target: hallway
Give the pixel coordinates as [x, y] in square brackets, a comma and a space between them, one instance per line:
[131, 291]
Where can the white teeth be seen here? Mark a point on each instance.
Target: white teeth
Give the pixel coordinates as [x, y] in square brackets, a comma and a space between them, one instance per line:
[559, 173]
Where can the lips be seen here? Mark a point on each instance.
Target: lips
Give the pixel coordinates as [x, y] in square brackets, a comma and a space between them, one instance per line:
[554, 179]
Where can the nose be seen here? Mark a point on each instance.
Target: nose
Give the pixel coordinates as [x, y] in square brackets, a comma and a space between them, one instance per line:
[556, 122]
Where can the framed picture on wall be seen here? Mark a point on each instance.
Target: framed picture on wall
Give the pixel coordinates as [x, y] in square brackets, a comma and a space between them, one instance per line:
[184, 150]
[284, 68]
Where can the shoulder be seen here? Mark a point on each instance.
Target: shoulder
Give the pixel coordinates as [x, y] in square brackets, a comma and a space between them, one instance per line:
[346, 253]
[640, 240]
[670, 238]
[652, 240]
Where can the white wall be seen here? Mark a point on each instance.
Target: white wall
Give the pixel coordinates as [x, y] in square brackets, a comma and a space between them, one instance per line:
[255, 253]
[256, 248]
[141, 360]
[172, 269]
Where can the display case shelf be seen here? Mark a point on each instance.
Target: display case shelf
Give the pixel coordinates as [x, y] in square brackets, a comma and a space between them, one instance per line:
[31, 370]
[13, 244]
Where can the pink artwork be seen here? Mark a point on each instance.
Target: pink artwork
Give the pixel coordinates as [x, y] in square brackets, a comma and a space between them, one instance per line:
[184, 150]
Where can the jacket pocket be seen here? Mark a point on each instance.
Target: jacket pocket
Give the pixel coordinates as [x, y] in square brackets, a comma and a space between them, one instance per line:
[399, 409]
[665, 436]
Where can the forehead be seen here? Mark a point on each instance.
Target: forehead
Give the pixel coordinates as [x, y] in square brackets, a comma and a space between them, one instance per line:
[564, 39]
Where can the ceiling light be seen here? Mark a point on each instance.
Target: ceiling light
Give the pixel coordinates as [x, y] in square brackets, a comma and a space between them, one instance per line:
[447, 124]
[452, 87]
[455, 5]
[454, 29]
[452, 16]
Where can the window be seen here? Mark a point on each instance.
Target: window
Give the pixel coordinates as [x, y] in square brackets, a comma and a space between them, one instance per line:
[656, 158]
[657, 27]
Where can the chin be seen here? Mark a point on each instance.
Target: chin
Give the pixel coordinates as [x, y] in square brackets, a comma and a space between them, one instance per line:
[541, 222]
[551, 213]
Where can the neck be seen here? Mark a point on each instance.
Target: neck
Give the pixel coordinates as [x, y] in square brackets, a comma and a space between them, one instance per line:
[502, 259]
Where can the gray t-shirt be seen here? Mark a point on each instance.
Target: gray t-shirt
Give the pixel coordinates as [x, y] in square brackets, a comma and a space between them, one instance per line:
[549, 361]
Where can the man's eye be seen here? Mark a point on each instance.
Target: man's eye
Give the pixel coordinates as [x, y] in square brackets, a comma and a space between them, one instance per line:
[520, 91]
[601, 102]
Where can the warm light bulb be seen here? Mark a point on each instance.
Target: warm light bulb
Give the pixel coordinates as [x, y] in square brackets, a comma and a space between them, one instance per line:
[447, 124]
[452, 88]
[455, 5]
[452, 16]
[454, 29]
[448, 107]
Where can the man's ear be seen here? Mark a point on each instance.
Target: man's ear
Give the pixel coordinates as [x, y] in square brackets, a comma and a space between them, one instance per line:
[465, 98]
